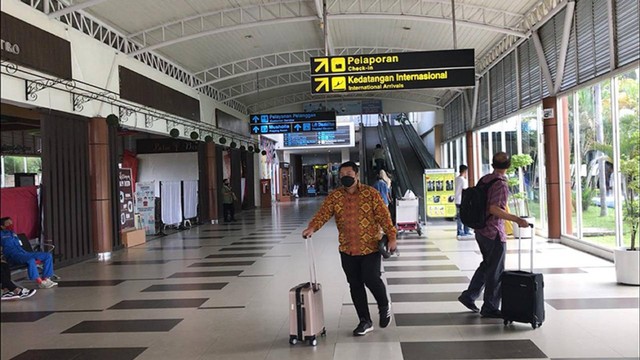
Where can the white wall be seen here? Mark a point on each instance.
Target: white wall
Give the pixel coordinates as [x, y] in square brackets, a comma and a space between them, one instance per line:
[167, 167]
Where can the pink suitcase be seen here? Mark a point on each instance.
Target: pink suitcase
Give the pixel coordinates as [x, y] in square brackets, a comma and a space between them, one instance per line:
[306, 316]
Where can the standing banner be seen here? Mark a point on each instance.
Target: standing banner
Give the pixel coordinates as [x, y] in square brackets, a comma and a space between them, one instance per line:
[439, 193]
[125, 188]
[146, 205]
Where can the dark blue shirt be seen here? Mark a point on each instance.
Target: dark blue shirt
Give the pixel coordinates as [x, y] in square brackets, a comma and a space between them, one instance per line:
[11, 245]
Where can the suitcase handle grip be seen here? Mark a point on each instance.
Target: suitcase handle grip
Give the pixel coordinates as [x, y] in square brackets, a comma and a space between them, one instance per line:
[520, 249]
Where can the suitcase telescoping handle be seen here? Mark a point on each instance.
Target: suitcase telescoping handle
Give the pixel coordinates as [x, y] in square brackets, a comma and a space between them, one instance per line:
[312, 263]
[520, 248]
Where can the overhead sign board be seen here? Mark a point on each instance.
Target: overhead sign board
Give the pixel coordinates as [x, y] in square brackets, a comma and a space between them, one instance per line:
[292, 122]
[393, 71]
[343, 136]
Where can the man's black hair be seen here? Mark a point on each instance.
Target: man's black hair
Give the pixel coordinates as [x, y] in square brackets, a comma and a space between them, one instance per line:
[3, 220]
[378, 146]
[463, 168]
[501, 160]
[350, 164]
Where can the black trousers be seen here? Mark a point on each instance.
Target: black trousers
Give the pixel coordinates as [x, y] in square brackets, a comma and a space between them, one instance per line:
[361, 271]
[5, 273]
[488, 274]
[228, 212]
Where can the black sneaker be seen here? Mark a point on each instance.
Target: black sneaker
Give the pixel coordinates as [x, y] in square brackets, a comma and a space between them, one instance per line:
[385, 316]
[494, 314]
[364, 327]
[468, 304]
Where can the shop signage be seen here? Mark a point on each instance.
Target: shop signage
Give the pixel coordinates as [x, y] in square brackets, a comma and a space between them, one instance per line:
[158, 146]
[25, 44]
[439, 192]
[125, 189]
[292, 122]
[393, 71]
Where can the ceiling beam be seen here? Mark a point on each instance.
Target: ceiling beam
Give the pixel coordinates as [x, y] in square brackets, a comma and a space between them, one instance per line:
[281, 60]
[432, 19]
[72, 8]
[288, 11]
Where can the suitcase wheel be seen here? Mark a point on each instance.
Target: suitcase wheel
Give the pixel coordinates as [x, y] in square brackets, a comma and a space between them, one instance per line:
[536, 325]
[293, 340]
[507, 322]
[323, 332]
[313, 342]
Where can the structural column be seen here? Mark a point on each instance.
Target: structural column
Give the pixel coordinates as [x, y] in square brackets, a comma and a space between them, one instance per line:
[437, 142]
[552, 147]
[100, 203]
[471, 158]
[211, 180]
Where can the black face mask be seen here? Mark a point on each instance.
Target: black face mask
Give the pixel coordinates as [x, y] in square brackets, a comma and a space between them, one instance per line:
[347, 181]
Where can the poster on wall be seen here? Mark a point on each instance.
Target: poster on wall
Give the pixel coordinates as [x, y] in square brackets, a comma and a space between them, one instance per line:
[439, 192]
[145, 206]
[125, 189]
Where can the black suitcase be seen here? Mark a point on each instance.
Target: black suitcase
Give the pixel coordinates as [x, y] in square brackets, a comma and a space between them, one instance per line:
[523, 294]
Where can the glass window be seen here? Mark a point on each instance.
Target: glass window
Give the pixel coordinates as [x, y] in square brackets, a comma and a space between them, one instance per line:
[594, 154]
[486, 156]
[629, 130]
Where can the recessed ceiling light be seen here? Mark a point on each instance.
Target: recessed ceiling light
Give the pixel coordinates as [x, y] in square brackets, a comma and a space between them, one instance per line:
[406, 28]
[248, 36]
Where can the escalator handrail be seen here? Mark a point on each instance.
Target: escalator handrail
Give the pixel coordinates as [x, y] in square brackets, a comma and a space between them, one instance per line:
[425, 157]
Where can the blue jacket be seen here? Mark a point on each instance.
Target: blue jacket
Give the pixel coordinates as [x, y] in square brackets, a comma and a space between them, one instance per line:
[11, 245]
[383, 189]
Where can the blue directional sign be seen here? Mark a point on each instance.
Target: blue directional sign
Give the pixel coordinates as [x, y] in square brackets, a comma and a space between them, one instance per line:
[292, 122]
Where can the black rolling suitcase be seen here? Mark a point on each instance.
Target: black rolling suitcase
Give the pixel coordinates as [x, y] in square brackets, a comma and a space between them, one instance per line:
[523, 293]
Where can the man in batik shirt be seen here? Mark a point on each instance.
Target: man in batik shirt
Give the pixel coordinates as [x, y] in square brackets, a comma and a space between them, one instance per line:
[360, 214]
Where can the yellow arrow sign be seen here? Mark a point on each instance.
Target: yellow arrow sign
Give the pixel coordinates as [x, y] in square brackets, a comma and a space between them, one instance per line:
[324, 82]
[324, 63]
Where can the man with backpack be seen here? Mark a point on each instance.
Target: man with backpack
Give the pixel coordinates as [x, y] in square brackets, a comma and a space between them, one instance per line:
[490, 235]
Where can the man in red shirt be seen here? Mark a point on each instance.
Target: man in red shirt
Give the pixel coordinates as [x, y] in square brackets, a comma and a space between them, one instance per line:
[492, 242]
[360, 213]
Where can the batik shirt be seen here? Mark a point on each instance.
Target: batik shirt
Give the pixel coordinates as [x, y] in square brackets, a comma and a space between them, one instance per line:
[359, 217]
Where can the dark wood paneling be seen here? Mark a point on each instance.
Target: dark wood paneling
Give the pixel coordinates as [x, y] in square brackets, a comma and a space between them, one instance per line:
[203, 183]
[114, 157]
[65, 184]
[38, 49]
[142, 90]
[250, 197]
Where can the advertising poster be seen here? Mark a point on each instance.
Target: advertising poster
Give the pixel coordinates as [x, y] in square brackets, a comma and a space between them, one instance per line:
[125, 188]
[146, 206]
[439, 192]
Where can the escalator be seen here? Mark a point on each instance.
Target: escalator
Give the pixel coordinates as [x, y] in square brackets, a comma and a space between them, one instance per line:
[406, 156]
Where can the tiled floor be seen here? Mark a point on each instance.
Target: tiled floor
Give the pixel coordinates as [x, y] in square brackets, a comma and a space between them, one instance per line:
[221, 292]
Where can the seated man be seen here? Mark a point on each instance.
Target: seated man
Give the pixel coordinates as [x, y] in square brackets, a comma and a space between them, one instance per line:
[11, 291]
[15, 254]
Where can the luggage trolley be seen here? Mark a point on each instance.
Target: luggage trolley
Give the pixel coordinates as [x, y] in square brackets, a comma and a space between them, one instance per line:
[408, 215]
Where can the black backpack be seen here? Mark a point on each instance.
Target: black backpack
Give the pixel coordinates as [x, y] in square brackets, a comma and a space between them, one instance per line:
[473, 207]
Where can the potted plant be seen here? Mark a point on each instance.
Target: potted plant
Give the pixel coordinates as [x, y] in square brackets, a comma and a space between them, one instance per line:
[627, 259]
[518, 200]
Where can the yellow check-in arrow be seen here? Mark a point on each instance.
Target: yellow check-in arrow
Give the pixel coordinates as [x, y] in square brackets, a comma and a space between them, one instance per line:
[324, 63]
[324, 82]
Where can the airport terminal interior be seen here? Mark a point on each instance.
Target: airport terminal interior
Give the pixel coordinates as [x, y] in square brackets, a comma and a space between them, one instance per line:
[168, 155]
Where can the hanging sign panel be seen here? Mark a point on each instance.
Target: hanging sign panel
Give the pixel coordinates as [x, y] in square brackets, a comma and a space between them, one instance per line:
[292, 122]
[393, 71]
